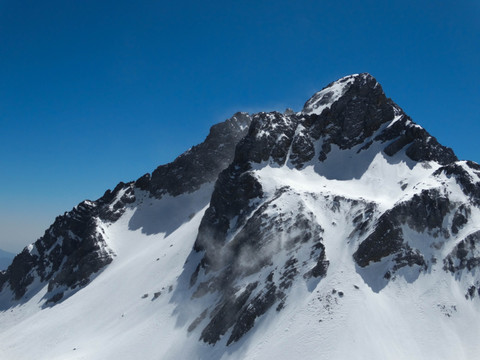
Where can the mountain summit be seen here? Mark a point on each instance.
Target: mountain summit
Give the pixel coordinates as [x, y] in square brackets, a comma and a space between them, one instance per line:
[341, 231]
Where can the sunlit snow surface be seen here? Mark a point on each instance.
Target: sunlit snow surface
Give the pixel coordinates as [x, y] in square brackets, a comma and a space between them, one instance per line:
[137, 308]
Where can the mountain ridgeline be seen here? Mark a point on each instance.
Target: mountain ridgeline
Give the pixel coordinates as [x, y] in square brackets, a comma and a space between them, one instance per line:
[73, 249]
[347, 188]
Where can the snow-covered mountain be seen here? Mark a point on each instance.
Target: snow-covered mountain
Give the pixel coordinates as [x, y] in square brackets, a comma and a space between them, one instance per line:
[342, 231]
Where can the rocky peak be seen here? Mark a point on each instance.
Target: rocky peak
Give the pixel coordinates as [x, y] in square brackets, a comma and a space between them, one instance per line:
[201, 163]
[350, 110]
[354, 111]
[351, 113]
[244, 220]
[361, 84]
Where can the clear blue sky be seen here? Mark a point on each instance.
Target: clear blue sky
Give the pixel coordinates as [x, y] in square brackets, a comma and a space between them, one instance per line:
[97, 92]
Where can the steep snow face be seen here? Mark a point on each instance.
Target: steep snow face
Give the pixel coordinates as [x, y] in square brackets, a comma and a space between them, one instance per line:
[343, 231]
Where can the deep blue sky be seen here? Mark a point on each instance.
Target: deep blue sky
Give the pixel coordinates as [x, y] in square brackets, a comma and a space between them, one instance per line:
[97, 92]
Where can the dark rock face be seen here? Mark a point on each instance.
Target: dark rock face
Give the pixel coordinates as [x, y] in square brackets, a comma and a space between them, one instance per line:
[200, 164]
[18, 275]
[224, 315]
[359, 114]
[466, 255]
[270, 136]
[385, 240]
[258, 240]
[233, 192]
[424, 212]
[429, 220]
[257, 307]
[460, 218]
[419, 144]
[467, 175]
[71, 250]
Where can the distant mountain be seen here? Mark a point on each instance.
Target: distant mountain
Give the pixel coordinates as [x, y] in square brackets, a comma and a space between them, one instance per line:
[5, 259]
[342, 231]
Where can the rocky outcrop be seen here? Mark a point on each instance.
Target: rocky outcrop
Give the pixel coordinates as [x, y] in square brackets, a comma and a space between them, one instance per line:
[71, 251]
[250, 249]
[418, 144]
[467, 175]
[465, 255]
[356, 117]
[424, 213]
[356, 114]
[200, 164]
